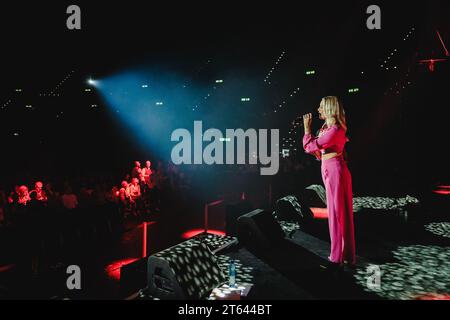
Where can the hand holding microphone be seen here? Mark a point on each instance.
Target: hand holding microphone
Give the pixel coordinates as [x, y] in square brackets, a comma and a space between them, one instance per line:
[307, 120]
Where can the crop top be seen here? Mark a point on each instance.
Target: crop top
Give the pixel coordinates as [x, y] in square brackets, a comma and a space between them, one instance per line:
[331, 139]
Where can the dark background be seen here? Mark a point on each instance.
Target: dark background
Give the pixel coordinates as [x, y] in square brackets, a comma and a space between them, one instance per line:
[397, 139]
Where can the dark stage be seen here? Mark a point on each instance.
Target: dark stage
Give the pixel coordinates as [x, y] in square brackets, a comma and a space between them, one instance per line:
[230, 152]
[407, 240]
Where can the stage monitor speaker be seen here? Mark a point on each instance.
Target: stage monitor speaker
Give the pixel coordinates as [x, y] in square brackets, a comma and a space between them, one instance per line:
[216, 216]
[183, 272]
[259, 229]
[233, 212]
[315, 196]
[291, 209]
[133, 277]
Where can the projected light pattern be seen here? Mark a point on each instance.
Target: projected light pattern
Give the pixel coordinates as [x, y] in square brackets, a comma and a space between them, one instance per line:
[282, 203]
[226, 292]
[320, 191]
[195, 232]
[195, 268]
[289, 227]
[198, 269]
[203, 270]
[213, 242]
[244, 280]
[243, 273]
[439, 228]
[380, 203]
[383, 203]
[143, 295]
[421, 271]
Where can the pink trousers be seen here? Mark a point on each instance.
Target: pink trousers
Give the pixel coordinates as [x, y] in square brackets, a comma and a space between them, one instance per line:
[338, 186]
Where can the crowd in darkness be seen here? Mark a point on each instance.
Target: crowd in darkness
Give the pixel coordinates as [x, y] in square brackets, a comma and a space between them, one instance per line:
[139, 192]
[46, 215]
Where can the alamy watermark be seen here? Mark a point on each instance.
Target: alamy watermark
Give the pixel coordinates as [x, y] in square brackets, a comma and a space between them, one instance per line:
[213, 153]
[73, 22]
[73, 281]
[374, 20]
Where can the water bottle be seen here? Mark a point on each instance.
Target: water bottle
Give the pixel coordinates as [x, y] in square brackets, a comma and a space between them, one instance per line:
[232, 274]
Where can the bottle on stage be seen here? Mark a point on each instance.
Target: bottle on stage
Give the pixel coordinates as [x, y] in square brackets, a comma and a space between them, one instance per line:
[232, 274]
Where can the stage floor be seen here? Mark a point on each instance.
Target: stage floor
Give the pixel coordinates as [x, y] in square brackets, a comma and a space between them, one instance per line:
[411, 251]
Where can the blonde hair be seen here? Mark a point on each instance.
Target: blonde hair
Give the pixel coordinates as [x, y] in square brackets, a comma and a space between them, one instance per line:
[333, 108]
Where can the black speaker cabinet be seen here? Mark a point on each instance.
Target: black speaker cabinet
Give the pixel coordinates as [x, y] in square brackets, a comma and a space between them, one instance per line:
[133, 277]
[260, 230]
[233, 212]
[183, 272]
[291, 208]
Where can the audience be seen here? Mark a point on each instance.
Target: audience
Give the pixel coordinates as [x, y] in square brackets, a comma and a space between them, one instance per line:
[69, 199]
[38, 194]
[140, 192]
[23, 196]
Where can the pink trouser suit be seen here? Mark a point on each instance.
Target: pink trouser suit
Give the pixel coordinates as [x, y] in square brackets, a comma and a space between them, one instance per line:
[338, 185]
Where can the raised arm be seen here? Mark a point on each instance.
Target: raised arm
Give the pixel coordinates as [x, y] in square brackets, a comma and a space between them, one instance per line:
[312, 144]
